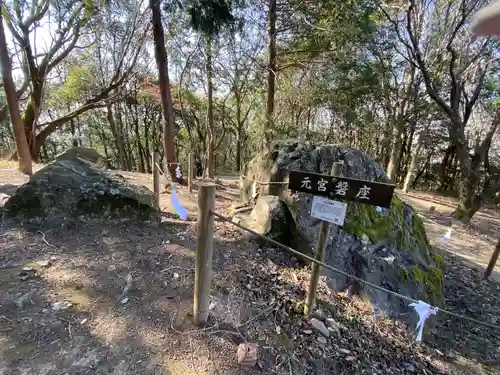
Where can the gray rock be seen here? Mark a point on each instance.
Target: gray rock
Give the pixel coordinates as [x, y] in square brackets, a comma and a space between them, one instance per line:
[76, 188]
[321, 340]
[270, 217]
[330, 322]
[320, 327]
[61, 305]
[388, 248]
[319, 314]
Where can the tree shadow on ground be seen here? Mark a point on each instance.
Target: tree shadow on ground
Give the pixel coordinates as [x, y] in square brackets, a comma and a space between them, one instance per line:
[148, 329]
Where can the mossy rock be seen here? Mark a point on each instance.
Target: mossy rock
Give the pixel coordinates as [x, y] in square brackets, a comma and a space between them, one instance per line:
[80, 189]
[388, 247]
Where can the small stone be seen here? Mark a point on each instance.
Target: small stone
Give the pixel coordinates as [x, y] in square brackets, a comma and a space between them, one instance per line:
[334, 330]
[124, 301]
[271, 264]
[26, 273]
[111, 268]
[212, 305]
[319, 314]
[364, 239]
[330, 322]
[344, 351]
[247, 354]
[43, 263]
[84, 321]
[61, 305]
[409, 367]
[307, 331]
[176, 275]
[320, 327]
[350, 358]
[321, 340]
[278, 330]
[23, 299]
[390, 259]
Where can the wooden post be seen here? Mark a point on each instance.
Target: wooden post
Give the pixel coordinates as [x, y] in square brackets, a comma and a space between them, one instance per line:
[493, 260]
[190, 172]
[204, 250]
[156, 176]
[324, 231]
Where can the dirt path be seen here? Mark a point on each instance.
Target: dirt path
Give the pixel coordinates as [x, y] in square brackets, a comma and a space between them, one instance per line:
[474, 243]
[116, 299]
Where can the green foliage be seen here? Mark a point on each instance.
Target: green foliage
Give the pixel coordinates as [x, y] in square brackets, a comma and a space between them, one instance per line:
[207, 17]
[79, 84]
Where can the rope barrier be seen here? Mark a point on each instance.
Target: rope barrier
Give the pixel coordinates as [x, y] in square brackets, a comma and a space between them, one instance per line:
[265, 182]
[336, 270]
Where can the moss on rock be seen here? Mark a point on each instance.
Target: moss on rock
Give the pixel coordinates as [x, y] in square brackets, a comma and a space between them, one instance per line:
[364, 219]
[431, 280]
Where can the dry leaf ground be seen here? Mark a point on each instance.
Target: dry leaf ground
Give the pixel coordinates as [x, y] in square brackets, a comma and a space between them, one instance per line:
[256, 296]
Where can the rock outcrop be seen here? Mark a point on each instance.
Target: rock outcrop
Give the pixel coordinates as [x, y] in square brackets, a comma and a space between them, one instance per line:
[270, 217]
[74, 187]
[88, 154]
[386, 247]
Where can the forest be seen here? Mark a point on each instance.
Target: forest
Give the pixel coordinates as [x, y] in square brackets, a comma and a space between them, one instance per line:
[406, 82]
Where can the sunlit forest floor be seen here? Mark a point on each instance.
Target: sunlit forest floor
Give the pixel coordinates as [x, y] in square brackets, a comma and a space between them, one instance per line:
[116, 299]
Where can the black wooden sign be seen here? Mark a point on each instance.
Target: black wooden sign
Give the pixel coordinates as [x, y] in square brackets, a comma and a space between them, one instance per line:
[342, 188]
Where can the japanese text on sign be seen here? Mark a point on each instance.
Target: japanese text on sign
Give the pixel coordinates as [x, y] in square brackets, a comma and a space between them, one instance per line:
[349, 189]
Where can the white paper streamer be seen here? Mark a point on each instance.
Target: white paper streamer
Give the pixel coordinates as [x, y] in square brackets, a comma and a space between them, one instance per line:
[447, 236]
[178, 173]
[424, 310]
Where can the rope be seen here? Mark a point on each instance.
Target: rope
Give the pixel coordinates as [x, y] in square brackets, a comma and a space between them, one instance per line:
[264, 182]
[159, 169]
[336, 270]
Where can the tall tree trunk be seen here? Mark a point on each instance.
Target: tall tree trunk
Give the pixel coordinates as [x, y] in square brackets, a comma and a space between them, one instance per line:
[385, 154]
[399, 124]
[120, 149]
[413, 163]
[397, 144]
[166, 96]
[209, 170]
[271, 75]
[23, 149]
[449, 154]
[239, 131]
[471, 193]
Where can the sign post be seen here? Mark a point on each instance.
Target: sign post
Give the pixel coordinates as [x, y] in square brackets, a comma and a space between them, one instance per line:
[493, 260]
[324, 188]
[324, 230]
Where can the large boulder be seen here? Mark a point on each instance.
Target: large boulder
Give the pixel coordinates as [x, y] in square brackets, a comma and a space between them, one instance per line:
[77, 188]
[88, 154]
[386, 247]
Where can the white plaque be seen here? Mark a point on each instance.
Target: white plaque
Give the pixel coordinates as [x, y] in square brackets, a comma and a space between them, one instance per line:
[328, 210]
